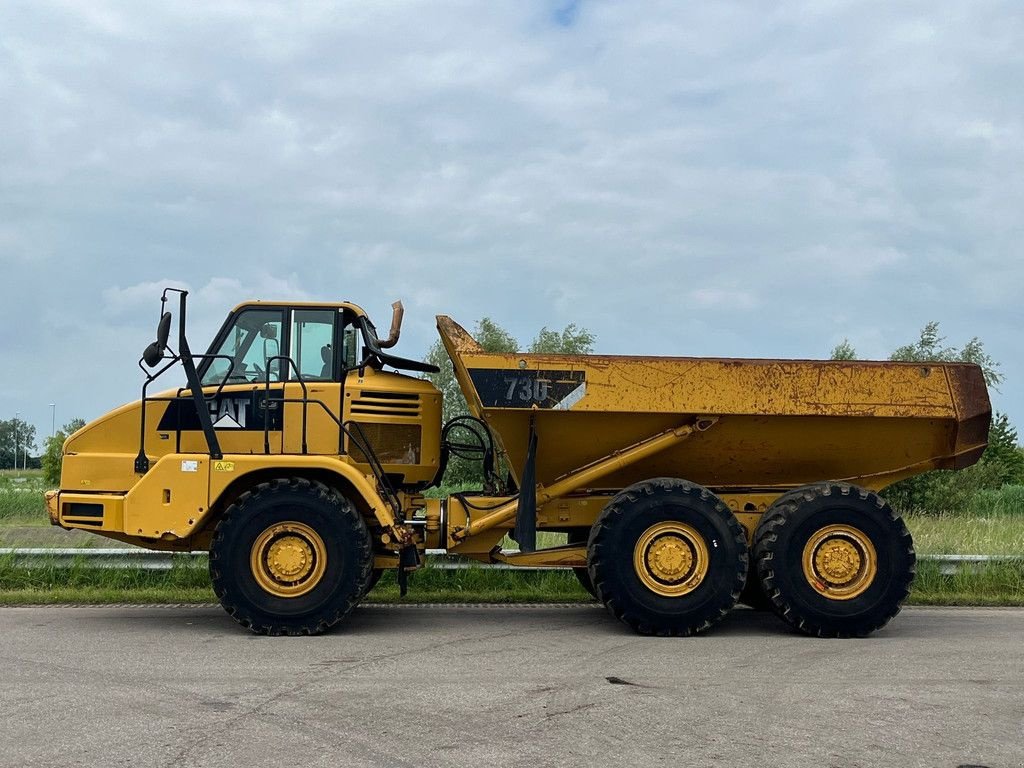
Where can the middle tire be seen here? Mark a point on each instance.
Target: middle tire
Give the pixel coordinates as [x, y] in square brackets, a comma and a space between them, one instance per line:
[580, 536]
[667, 557]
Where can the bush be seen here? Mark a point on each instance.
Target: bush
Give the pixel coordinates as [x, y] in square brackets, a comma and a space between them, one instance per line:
[54, 453]
[943, 490]
[1008, 501]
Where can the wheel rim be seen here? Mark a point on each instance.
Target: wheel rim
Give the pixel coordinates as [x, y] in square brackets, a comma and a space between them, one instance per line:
[671, 559]
[288, 559]
[840, 562]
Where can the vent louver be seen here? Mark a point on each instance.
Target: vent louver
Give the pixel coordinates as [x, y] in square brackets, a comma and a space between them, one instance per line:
[386, 404]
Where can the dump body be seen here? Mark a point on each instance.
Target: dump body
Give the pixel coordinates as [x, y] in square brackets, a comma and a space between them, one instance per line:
[780, 423]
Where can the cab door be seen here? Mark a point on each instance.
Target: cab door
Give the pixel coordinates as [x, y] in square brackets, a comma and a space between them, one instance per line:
[315, 374]
[236, 375]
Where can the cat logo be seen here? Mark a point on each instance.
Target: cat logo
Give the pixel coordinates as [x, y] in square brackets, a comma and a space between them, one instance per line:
[228, 413]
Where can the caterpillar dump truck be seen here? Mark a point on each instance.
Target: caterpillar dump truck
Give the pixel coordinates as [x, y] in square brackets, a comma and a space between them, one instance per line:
[299, 448]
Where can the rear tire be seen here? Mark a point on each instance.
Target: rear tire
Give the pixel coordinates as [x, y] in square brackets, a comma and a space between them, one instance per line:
[834, 560]
[753, 594]
[667, 557]
[290, 557]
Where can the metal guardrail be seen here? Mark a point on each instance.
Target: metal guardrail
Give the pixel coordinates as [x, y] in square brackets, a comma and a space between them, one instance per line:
[45, 557]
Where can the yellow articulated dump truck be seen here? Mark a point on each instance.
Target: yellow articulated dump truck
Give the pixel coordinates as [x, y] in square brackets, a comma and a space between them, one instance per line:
[299, 461]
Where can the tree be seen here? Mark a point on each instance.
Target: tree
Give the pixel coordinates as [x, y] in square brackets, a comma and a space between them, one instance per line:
[1004, 452]
[571, 340]
[15, 431]
[53, 455]
[843, 351]
[929, 348]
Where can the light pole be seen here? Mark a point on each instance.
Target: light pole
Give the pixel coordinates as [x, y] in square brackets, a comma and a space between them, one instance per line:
[53, 419]
[16, 415]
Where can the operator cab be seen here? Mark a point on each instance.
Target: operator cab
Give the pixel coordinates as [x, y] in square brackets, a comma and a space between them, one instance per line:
[311, 342]
[294, 379]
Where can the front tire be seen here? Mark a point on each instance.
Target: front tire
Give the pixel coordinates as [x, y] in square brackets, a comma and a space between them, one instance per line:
[290, 557]
[834, 560]
[667, 557]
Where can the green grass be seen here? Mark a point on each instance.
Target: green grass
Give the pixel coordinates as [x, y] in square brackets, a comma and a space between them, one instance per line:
[21, 497]
[22, 508]
[963, 534]
[15, 478]
[82, 584]
[993, 584]
[990, 584]
[191, 584]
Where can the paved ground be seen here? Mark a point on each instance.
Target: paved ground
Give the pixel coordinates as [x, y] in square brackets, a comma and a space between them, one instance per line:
[491, 686]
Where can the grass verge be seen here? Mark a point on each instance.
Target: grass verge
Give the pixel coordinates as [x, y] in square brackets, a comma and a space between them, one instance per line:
[22, 506]
[995, 584]
[988, 584]
[85, 585]
[962, 534]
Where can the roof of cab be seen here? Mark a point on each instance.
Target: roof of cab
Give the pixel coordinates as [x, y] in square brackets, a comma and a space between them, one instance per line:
[359, 311]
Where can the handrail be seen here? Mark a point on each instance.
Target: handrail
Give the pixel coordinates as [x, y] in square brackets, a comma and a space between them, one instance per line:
[362, 442]
[266, 399]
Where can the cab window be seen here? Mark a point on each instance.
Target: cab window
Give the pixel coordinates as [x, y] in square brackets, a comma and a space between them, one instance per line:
[245, 353]
[312, 343]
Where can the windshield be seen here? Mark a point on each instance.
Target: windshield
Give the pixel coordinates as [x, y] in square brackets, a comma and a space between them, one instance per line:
[244, 352]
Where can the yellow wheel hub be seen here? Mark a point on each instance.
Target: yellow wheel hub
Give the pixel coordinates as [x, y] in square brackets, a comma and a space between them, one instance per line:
[671, 558]
[840, 562]
[288, 559]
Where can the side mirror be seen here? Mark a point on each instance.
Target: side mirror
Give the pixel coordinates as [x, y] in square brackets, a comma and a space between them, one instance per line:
[268, 331]
[397, 313]
[154, 353]
[271, 349]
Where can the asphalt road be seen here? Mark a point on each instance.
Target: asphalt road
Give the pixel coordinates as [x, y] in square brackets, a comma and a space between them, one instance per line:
[492, 686]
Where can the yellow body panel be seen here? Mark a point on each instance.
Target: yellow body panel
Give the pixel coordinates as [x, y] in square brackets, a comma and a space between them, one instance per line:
[170, 500]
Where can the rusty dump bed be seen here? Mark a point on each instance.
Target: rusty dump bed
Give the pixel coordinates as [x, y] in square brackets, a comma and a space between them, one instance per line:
[780, 423]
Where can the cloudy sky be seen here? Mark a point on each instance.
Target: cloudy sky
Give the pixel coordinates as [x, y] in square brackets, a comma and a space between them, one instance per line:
[730, 179]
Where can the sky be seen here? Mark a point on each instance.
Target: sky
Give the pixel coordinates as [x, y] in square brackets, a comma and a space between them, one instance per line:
[742, 179]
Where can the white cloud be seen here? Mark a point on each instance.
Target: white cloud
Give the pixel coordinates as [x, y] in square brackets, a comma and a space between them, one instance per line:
[829, 169]
[724, 299]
